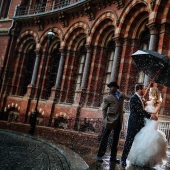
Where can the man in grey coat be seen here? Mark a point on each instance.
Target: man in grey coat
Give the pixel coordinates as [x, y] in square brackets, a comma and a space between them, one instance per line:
[112, 111]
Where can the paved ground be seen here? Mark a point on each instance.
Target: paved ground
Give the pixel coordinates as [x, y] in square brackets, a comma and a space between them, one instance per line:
[24, 152]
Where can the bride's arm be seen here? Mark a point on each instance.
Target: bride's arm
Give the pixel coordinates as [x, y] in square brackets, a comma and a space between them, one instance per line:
[157, 108]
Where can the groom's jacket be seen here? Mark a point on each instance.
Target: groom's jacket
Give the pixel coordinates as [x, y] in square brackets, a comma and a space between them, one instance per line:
[137, 115]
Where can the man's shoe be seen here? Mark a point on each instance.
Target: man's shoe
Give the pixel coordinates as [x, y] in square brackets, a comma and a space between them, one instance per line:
[117, 161]
[123, 164]
[99, 159]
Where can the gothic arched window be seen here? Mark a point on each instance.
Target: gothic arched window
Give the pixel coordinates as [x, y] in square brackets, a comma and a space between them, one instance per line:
[27, 69]
[82, 58]
[52, 72]
[109, 63]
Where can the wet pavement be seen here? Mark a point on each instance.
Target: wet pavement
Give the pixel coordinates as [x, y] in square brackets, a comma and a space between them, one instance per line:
[24, 152]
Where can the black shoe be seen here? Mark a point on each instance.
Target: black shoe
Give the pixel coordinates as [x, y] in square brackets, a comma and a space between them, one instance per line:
[99, 159]
[123, 164]
[117, 161]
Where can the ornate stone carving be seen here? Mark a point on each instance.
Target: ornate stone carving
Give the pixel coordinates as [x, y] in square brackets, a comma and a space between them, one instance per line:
[88, 48]
[152, 3]
[154, 28]
[39, 22]
[62, 51]
[89, 11]
[63, 19]
[119, 3]
[118, 41]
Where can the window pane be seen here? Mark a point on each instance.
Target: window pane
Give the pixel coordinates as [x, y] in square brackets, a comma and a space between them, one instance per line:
[78, 79]
[82, 58]
[108, 79]
[81, 68]
[110, 66]
[141, 77]
[145, 46]
[112, 55]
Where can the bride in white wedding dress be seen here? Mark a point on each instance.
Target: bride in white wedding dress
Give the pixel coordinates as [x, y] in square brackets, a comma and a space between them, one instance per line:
[150, 144]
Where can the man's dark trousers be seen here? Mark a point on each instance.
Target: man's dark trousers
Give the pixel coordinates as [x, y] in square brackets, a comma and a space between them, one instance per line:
[104, 141]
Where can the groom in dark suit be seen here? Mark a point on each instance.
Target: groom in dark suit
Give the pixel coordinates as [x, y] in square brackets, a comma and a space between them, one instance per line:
[136, 120]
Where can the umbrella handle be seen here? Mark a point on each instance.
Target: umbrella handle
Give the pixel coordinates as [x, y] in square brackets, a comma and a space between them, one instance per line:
[157, 73]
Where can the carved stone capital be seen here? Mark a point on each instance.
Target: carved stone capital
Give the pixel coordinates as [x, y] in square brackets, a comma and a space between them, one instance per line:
[88, 48]
[165, 28]
[89, 11]
[62, 51]
[153, 28]
[37, 53]
[118, 41]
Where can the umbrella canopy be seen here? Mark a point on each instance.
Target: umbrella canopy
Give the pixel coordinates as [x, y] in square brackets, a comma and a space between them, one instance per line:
[150, 62]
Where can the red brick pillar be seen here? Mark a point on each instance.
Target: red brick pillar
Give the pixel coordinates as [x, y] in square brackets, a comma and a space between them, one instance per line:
[123, 71]
[131, 69]
[67, 76]
[95, 83]
[163, 48]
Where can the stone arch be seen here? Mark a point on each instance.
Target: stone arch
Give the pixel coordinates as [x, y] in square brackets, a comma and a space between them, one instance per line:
[25, 43]
[12, 112]
[103, 33]
[74, 26]
[107, 15]
[73, 43]
[133, 14]
[58, 33]
[27, 33]
[162, 12]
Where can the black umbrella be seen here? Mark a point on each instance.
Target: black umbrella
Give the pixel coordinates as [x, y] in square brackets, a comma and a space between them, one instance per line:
[154, 65]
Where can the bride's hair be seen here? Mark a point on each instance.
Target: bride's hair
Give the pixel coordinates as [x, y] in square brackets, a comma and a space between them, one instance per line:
[155, 95]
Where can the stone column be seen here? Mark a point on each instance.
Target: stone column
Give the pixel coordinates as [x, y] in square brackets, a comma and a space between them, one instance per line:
[153, 44]
[36, 66]
[116, 59]
[86, 68]
[60, 69]
[31, 86]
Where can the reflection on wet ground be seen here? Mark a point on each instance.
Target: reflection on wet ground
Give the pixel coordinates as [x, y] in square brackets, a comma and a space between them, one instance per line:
[107, 165]
[21, 152]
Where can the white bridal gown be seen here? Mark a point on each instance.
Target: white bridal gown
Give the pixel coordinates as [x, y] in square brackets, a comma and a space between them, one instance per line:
[149, 146]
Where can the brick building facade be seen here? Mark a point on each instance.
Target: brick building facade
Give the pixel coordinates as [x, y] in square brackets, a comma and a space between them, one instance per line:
[93, 43]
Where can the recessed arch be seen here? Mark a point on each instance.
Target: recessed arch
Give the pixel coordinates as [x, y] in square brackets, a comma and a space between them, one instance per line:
[107, 16]
[131, 14]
